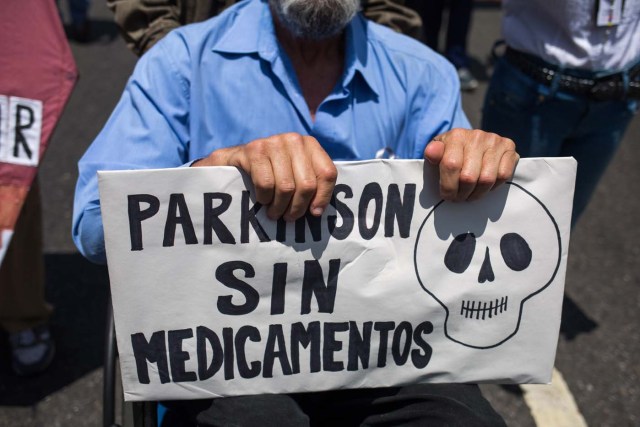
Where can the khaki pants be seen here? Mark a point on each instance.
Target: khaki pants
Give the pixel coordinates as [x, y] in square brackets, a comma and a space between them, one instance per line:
[22, 303]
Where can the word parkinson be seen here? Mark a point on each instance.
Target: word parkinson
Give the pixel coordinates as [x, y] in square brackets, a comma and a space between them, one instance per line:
[340, 223]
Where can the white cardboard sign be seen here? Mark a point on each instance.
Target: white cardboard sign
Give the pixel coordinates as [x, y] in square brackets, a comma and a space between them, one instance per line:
[390, 286]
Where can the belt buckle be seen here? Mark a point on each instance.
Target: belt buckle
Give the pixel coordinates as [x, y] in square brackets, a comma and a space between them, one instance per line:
[605, 89]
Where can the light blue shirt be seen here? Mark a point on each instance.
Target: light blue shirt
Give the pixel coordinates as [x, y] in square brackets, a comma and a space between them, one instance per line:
[227, 81]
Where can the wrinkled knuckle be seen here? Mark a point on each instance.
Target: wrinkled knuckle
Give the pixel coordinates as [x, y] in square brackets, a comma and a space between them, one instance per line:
[504, 175]
[467, 178]
[217, 157]
[497, 144]
[477, 134]
[259, 147]
[457, 133]
[451, 164]
[310, 140]
[264, 185]
[307, 186]
[286, 187]
[486, 180]
[492, 141]
[293, 138]
[328, 173]
[509, 144]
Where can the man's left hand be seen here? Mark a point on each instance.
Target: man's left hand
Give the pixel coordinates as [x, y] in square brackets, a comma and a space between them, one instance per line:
[471, 162]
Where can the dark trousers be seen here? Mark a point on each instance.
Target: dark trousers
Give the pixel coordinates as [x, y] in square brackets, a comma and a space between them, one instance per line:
[551, 122]
[22, 302]
[431, 12]
[436, 405]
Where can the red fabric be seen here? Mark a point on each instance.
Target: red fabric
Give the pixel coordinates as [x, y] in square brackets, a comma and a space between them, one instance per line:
[35, 63]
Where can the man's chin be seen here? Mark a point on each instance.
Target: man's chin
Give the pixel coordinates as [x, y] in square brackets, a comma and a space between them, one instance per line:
[318, 20]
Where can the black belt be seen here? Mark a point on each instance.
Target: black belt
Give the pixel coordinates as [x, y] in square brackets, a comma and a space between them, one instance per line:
[607, 88]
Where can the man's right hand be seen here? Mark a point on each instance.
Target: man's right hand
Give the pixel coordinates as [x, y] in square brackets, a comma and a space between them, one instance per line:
[291, 173]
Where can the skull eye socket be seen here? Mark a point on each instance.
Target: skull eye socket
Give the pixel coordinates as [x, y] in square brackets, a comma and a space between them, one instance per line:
[460, 253]
[515, 251]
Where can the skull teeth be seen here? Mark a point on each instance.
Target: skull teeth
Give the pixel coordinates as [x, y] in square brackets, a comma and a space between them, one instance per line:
[482, 310]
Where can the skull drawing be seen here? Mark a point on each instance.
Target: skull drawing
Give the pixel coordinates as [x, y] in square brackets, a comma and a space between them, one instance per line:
[483, 260]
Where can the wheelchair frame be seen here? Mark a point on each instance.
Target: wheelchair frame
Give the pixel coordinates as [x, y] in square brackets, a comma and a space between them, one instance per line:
[134, 414]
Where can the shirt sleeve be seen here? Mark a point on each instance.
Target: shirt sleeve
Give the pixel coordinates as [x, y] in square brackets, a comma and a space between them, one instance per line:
[148, 129]
[437, 104]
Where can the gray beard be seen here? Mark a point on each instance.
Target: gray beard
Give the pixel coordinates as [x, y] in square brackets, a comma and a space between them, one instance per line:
[315, 19]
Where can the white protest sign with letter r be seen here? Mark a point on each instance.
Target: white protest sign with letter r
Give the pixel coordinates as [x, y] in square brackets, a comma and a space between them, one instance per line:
[390, 286]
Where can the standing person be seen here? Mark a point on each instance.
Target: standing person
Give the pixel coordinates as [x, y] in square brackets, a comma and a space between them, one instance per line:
[144, 23]
[281, 89]
[24, 312]
[568, 83]
[37, 75]
[80, 25]
[459, 22]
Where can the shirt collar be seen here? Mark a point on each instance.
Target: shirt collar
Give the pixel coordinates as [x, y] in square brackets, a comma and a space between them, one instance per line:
[249, 31]
[357, 55]
[252, 31]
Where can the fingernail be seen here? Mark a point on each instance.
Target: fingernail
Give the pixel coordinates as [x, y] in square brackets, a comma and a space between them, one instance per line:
[317, 210]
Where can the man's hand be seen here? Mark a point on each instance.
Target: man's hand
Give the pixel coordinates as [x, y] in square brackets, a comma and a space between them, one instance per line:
[471, 162]
[291, 173]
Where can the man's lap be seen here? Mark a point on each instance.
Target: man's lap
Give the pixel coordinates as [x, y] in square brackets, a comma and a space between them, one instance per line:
[415, 405]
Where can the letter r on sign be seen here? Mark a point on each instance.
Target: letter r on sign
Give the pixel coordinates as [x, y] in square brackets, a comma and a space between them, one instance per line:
[20, 130]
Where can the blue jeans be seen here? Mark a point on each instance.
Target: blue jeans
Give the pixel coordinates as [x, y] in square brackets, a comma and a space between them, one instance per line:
[546, 122]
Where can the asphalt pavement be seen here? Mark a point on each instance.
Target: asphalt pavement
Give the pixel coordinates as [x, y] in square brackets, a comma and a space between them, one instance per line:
[598, 347]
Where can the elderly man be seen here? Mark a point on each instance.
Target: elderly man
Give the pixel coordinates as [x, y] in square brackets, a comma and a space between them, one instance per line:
[280, 90]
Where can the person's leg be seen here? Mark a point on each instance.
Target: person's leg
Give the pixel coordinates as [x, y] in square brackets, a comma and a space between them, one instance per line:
[80, 28]
[268, 410]
[435, 405]
[341, 407]
[456, 42]
[23, 310]
[593, 145]
[416, 405]
[22, 301]
[431, 14]
[79, 11]
[457, 32]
